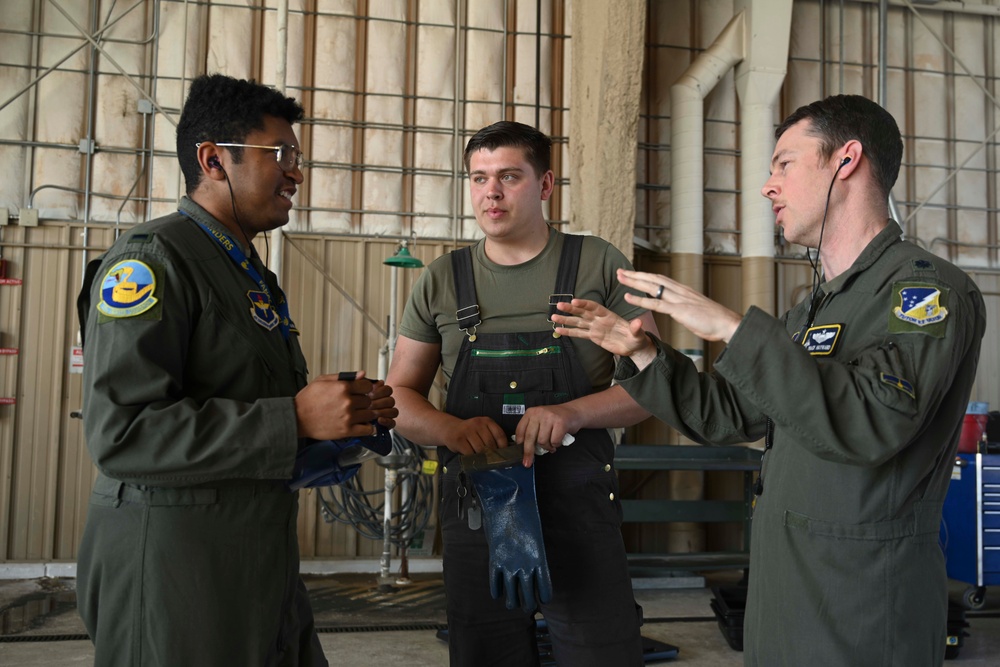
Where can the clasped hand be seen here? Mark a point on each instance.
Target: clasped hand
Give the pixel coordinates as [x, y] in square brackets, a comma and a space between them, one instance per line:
[329, 408]
[542, 426]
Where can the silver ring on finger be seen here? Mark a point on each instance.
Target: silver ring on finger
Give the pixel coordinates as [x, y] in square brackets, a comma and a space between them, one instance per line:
[659, 292]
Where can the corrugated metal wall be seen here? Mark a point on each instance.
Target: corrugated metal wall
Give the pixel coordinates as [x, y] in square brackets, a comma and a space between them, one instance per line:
[45, 473]
[392, 90]
[337, 336]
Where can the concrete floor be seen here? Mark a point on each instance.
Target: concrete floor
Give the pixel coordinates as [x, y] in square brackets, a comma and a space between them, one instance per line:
[39, 626]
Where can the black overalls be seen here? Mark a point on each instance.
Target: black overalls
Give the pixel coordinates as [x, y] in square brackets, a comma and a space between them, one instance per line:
[593, 618]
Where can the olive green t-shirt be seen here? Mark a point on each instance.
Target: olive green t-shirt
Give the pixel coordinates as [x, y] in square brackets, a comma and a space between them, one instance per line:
[516, 299]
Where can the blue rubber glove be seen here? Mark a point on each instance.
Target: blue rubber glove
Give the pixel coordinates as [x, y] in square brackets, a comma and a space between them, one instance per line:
[318, 463]
[518, 568]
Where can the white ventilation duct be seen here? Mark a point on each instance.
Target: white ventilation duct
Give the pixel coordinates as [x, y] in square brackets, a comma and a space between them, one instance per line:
[687, 136]
[756, 42]
[687, 168]
[758, 82]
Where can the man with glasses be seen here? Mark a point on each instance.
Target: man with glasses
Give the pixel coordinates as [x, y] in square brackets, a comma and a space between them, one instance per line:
[287, 156]
[196, 404]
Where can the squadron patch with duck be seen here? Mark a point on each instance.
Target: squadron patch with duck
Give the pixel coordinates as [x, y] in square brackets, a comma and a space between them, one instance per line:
[128, 289]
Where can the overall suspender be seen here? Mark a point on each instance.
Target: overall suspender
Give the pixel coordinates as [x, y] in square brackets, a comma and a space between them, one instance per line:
[468, 312]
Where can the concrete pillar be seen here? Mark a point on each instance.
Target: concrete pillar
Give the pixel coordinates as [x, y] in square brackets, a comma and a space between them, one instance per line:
[608, 49]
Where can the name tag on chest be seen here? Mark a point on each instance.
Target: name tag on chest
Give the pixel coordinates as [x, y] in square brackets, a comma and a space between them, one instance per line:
[821, 341]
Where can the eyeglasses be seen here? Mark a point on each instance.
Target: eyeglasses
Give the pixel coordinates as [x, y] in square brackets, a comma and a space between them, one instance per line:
[287, 156]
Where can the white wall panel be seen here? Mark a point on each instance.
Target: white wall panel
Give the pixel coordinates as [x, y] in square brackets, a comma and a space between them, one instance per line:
[435, 150]
[333, 142]
[532, 66]
[296, 50]
[928, 52]
[485, 63]
[972, 230]
[181, 49]
[231, 38]
[116, 168]
[16, 54]
[386, 82]
[179, 53]
[60, 110]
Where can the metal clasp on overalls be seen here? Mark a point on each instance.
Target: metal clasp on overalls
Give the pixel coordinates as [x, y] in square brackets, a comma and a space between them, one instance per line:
[553, 300]
[473, 312]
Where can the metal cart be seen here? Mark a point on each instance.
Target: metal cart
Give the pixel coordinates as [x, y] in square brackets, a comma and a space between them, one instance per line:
[970, 526]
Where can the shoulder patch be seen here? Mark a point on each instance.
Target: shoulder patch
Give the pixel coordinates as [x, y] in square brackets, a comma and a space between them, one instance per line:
[127, 289]
[918, 308]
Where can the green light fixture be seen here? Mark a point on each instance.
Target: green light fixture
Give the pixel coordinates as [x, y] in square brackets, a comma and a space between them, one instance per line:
[403, 259]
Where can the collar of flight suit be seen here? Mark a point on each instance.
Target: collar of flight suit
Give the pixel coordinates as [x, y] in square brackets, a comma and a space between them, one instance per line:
[868, 256]
[193, 210]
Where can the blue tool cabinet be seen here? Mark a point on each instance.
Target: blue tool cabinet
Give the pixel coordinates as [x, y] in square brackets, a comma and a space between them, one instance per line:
[970, 526]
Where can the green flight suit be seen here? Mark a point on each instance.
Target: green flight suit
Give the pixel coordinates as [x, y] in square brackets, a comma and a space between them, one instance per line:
[190, 552]
[867, 406]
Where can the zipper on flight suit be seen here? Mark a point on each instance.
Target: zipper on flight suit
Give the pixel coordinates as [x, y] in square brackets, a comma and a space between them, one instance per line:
[814, 306]
[758, 486]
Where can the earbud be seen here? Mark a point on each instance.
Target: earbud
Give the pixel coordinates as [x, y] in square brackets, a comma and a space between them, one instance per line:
[847, 158]
[214, 162]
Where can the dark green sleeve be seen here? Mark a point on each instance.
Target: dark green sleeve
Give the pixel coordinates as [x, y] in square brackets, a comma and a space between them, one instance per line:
[701, 406]
[851, 411]
[157, 413]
